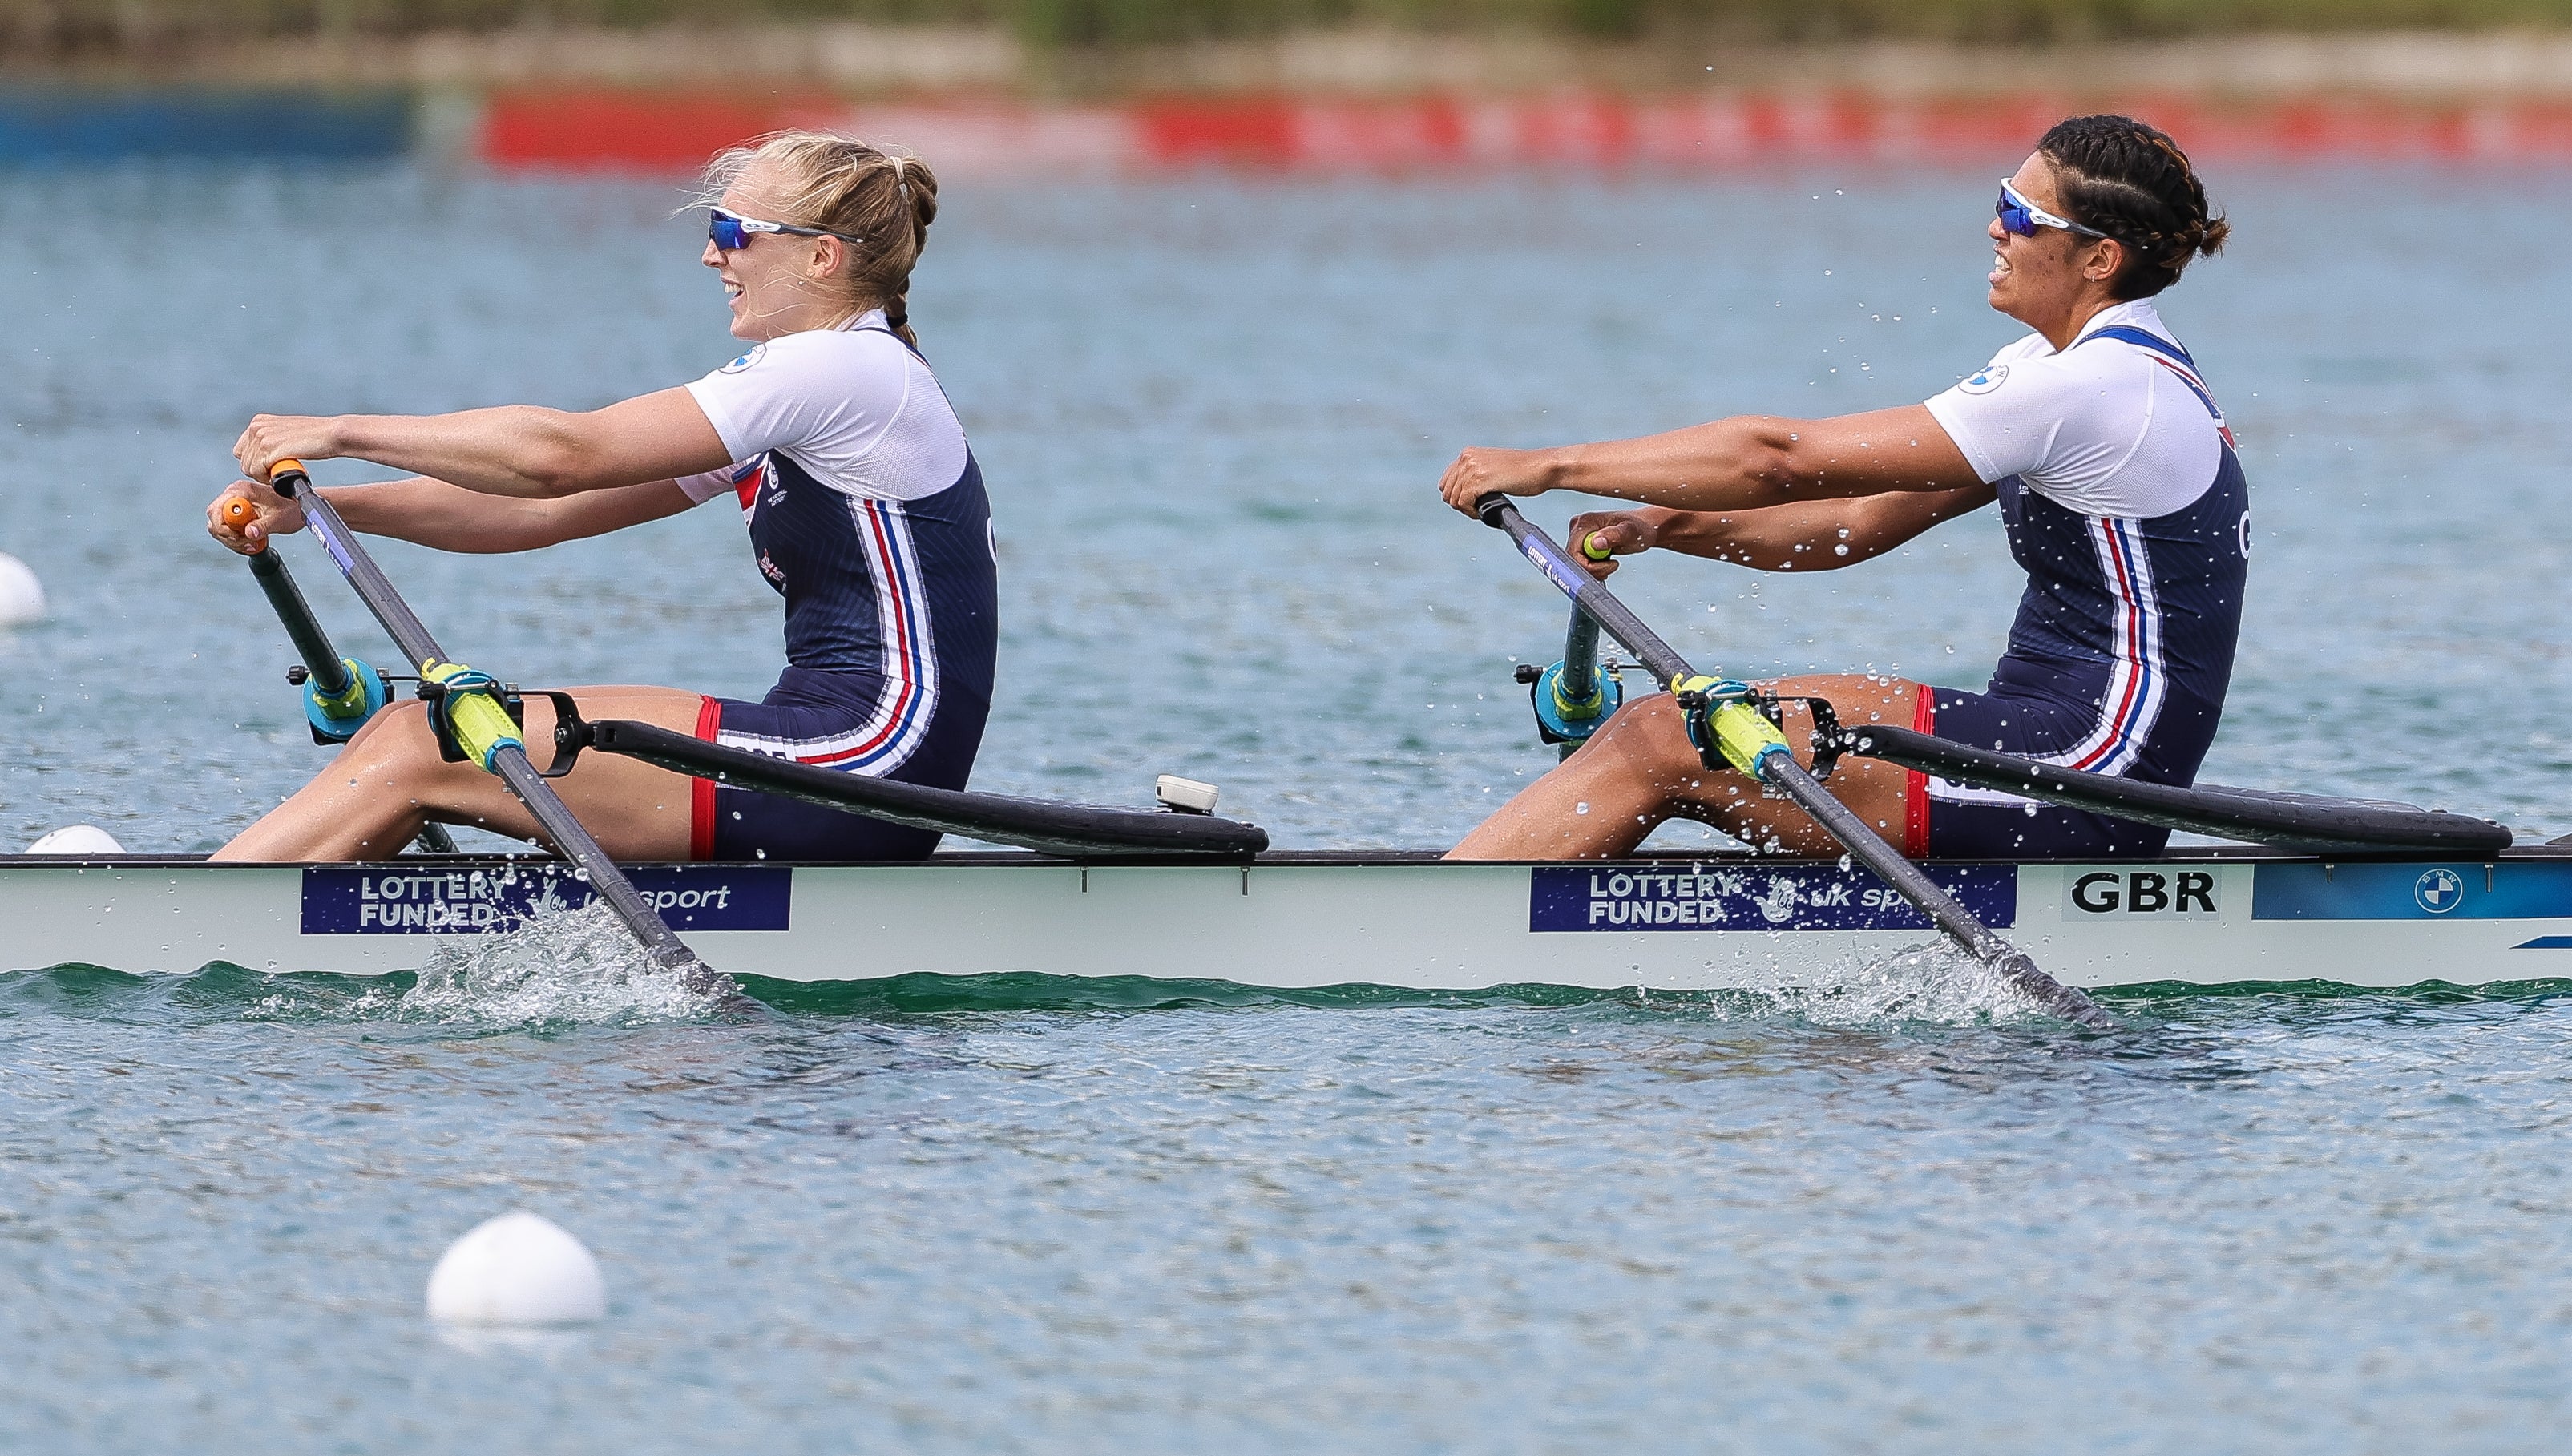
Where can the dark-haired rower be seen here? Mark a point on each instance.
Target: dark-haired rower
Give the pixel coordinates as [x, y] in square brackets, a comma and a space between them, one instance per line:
[2115, 476]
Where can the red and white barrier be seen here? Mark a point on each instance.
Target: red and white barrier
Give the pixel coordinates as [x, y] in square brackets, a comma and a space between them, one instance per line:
[651, 133]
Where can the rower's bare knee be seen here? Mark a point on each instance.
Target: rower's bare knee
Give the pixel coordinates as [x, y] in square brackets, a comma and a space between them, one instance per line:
[1648, 740]
[398, 744]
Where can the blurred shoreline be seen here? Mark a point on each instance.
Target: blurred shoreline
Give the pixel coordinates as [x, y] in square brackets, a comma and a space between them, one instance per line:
[980, 102]
[860, 60]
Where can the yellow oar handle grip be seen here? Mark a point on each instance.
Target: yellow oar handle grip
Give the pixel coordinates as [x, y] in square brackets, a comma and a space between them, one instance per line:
[1594, 548]
[473, 712]
[1741, 732]
[1746, 738]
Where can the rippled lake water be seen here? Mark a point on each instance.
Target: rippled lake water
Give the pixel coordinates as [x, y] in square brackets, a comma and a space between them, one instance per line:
[1032, 1214]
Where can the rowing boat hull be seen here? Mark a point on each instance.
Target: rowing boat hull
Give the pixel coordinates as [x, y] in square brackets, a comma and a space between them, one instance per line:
[1307, 920]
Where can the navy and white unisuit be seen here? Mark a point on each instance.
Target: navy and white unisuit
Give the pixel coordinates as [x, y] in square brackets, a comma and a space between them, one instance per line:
[2127, 507]
[866, 514]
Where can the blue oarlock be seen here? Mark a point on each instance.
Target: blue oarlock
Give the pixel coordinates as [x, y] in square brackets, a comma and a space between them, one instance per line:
[1574, 695]
[1568, 717]
[336, 718]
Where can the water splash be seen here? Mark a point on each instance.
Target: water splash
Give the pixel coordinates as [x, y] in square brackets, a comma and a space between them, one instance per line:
[1935, 983]
[578, 966]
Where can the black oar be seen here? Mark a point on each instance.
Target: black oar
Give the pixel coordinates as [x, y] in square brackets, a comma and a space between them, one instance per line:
[471, 709]
[339, 696]
[2298, 820]
[1724, 723]
[341, 693]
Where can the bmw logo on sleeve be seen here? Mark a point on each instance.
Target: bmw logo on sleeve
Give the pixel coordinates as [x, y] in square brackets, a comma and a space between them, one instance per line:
[745, 362]
[1985, 380]
[2439, 891]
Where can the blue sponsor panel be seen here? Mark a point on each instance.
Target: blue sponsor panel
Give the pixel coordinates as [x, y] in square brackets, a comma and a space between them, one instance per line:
[2519, 890]
[62, 124]
[411, 901]
[1778, 897]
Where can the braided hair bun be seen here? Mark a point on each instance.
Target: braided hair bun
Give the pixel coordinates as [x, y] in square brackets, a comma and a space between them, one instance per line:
[2132, 183]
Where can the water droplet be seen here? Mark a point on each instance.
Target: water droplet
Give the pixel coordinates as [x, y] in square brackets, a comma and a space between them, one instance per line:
[1581, 808]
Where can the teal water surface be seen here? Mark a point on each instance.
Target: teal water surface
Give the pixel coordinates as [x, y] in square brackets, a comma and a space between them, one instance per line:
[1035, 1215]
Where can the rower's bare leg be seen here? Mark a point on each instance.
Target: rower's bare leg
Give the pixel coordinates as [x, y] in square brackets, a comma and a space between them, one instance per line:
[1641, 770]
[389, 781]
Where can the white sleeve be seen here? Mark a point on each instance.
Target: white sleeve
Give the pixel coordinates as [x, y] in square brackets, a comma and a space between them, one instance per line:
[706, 485]
[2091, 429]
[827, 398]
[2003, 415]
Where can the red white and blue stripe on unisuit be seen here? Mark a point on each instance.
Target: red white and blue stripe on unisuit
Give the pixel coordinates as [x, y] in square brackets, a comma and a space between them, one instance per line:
[2196, 387]
[901, 719]
[2137, 677]
[2137, 681]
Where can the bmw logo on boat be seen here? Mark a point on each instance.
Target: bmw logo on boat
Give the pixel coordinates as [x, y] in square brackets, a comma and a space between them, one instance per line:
[2439, 891]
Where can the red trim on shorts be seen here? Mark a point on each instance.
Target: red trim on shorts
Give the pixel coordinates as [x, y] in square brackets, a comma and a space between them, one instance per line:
[1915, 785]
[701, 801]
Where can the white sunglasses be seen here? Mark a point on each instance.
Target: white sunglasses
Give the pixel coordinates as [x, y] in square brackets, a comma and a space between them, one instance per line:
[2023, 218]
[730, 232]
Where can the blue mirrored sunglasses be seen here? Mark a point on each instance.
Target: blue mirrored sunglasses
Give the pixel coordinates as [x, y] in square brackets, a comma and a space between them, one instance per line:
[2023, 218]
[730, 231]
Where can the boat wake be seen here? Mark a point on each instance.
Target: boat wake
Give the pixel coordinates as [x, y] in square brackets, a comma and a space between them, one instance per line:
[1930, 984]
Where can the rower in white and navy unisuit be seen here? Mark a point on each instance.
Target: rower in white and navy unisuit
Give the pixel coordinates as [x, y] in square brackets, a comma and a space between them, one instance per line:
[2115, 476]
[2127, 508]
[866, 513]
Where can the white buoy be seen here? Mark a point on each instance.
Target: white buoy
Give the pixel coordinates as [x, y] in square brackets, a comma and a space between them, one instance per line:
[77, 840]
[22, 597]
[517, 1268]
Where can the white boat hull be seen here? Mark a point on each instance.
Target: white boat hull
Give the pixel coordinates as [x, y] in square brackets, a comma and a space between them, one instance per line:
[1310, 920]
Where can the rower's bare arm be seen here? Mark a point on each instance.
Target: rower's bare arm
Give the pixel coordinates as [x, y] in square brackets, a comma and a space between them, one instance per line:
[514, 450]
[447, 517]
[1748, 462]
[1815, 536]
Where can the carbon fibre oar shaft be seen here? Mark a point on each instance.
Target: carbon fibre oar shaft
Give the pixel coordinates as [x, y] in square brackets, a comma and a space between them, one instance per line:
[1780, 769]
[303, 628]
[321, 662]
[508, 761]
